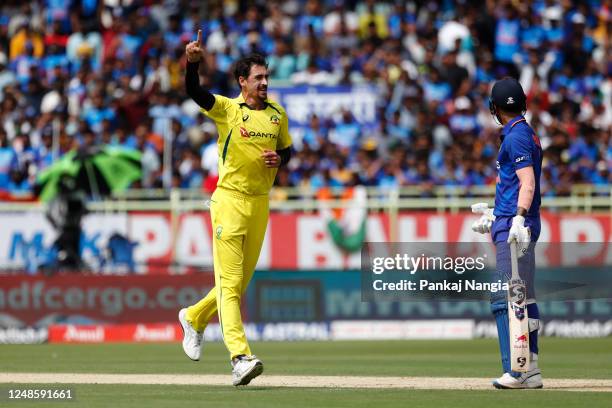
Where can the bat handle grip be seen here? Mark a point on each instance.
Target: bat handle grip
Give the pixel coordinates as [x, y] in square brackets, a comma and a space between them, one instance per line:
[514, 260]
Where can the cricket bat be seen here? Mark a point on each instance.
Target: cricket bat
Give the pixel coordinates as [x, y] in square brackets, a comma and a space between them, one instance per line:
[517, 317]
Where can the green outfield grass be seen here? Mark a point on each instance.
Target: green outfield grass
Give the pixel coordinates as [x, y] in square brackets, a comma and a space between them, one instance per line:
[560, 358]
[130, 396]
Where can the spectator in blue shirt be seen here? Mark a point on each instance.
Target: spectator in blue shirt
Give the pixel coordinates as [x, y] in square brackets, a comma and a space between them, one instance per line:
[347, 133]
[97, 112]
[507, 35]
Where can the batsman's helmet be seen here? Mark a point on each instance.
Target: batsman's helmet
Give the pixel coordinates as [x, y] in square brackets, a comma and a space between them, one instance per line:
[507, 95]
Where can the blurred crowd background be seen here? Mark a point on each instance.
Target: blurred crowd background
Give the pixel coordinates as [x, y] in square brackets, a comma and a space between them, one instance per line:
[81, 73]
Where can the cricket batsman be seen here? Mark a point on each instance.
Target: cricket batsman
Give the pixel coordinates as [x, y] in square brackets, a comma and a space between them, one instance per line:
[515, 218]
[253, 142]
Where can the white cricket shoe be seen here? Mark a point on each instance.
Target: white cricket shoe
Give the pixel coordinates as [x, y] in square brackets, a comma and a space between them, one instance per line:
[245, 368]
[192, 339]
[530, 380]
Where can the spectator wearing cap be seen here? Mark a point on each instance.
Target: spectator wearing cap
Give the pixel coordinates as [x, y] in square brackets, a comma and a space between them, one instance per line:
[552, 27]
[84, 46]
[463, 120]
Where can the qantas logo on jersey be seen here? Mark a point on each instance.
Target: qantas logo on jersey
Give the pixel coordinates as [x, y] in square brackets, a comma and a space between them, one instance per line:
[246, 133]
[262, 134]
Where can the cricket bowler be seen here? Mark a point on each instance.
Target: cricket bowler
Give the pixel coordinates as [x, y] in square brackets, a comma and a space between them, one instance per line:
[253, 142]
[515, 218]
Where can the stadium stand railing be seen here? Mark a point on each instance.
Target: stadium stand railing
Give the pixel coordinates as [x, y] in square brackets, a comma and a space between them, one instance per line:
[584, 198]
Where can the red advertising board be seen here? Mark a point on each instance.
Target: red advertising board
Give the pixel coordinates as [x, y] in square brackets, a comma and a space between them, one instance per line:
[81, 299]
[128, 333]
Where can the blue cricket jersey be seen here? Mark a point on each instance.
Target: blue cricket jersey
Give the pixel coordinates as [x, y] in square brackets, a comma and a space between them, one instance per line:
[520, 148]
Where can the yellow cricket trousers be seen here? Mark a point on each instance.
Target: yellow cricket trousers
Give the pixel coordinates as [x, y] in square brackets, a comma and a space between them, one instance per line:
[239, 224]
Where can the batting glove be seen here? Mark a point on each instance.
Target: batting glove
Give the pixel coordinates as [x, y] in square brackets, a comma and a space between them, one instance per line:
[521, 234]
[483, 224]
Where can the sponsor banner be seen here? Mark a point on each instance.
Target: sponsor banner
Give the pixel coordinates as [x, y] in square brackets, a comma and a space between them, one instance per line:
[142, 333]
[454, 329]
[555, 328]
[81, 299]
[577, 328]
[292, 241]
[403, 330]
[337, 295]
[130, 333]
[272, 297]
[26, 335]
[301, 102]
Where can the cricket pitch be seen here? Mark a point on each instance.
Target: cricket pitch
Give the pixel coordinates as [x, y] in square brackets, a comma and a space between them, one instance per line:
[418, 383]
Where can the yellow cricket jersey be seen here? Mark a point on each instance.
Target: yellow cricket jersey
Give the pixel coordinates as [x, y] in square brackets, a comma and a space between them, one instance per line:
[244, 133]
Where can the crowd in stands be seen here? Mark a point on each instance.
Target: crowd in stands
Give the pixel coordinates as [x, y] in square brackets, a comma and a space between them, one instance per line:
[82, 73]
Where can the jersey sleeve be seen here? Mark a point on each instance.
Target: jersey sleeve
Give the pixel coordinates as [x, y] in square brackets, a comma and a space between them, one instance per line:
[284, 139]
[521, 148]
[221, 109]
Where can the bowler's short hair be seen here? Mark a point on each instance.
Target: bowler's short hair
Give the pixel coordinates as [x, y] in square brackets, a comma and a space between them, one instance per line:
[243, 65]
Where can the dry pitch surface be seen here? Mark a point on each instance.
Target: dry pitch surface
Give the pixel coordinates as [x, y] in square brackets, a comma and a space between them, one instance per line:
[419, 383]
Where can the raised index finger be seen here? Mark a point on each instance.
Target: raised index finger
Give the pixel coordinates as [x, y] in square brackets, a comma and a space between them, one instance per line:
[199, 39]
